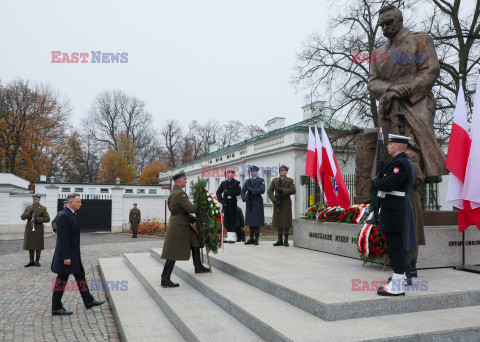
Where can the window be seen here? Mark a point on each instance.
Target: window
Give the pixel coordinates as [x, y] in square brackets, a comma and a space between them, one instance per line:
[129, 191]
[65, 189]
[152, 191]
[78, 189]
[104, 191]
[140, 191]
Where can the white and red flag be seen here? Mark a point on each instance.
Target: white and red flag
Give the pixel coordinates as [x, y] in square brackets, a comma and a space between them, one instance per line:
[330, 169]
[311, 165]
[462, 164]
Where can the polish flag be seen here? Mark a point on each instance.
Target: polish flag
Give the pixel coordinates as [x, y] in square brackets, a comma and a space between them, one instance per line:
[471, 187]
[330, 169]
[318, 156]
[311, 165]
[458, 150]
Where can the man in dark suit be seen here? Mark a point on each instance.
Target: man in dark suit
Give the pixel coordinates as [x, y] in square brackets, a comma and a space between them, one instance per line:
[67, 259]
[392, 189]
[227, 194]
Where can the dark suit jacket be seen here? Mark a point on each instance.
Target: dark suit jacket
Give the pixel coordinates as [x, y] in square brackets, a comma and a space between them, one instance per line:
[229, 188]
[68, 244]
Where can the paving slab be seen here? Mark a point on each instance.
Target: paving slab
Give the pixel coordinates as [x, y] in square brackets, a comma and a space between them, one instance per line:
[195, 316]
[138, 316]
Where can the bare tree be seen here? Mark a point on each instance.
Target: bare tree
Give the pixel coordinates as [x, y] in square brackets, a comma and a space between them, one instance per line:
[171, 138]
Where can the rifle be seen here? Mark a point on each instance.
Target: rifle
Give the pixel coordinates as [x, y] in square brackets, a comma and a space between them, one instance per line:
[249, 197]
[278, 195]
[375, 200]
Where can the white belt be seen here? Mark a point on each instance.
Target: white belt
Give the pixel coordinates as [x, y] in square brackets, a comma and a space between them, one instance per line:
[382, 194]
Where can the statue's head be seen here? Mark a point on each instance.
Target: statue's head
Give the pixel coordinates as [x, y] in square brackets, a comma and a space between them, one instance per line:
[391, 21]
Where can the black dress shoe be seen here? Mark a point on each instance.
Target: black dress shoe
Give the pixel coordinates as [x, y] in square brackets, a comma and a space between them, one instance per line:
[61, 312]
[31, 263]
[169, 283]
[94, 303]
[201, 269]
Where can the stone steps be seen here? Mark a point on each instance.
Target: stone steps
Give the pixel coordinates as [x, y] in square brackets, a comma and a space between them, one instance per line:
[256, 293]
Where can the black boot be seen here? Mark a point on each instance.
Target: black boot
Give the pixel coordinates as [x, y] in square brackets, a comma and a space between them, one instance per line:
[285, 242]
[37, 259]
[279, 241]
[413, 268]
[197, 262]
[250, 241]
[243, 235]
[167, 272]
[31, 255]
[408, 274]
[257, 234]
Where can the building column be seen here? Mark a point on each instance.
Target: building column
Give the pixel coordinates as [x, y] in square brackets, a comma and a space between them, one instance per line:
[51, 203]
[4, 210]
[117, 209]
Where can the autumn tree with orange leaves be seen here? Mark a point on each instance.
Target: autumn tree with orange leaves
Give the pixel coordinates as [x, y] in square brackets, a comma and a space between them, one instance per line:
[150, 173]
[32, 122]
[115, 165]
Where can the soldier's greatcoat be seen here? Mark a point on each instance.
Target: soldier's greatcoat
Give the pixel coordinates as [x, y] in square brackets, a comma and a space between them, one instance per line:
[134, 218]
[55, 222]
[411, 60]
[33, 240]
[227, 195]
[180, 235]
[416, 202]
[282, 216]
[254, 215]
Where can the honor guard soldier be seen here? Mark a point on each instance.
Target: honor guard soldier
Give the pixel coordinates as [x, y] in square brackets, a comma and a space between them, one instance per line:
[227, 194]
[279, 193]
[182, 235]
[134, 218]
[413, 151]
[392, 188]
[55, 220]
[36, 215]
[251, 193]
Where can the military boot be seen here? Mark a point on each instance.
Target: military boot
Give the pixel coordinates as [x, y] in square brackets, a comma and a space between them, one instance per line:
[285, 242]
[279, 241]
[167, 272]
[257, 234]
[31, 263]
[250, 241]
[413, 268]
[37, 260]
[197, 262]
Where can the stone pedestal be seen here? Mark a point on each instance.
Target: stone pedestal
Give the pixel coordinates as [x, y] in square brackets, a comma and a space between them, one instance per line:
[443, 248]
[364, 164]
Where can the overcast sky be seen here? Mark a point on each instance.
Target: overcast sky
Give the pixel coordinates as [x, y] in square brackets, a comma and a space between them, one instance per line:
[212, 59]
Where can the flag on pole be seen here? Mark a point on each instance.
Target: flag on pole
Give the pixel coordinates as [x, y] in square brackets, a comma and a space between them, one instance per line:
[471, 191]
[311, 165]
[318, 155]
[330, 169]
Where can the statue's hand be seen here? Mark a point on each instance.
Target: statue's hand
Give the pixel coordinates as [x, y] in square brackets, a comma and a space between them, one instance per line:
[404, 90]
[386, 104]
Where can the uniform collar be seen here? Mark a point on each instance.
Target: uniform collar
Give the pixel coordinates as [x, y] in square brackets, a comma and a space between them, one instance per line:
[175, 186]
[399, 37]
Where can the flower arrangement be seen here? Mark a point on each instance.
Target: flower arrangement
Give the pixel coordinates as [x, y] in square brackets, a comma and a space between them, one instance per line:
[354, 214]
[208, 216]
[371, 243]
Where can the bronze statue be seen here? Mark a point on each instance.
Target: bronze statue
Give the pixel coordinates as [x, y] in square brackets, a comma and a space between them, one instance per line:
[402, 83]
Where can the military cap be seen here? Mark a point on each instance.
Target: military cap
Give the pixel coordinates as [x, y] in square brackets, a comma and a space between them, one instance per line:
[178, 175]
[413, 147]
[134, 203]
[284, 168]
[35, 196]
[398, 139]
[254, 168]
[230, 169]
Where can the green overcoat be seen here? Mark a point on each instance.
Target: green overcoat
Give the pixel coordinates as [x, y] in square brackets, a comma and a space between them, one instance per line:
[282, 216]
[134, 218]
[416, 203]
[33, 240]
[180, 235]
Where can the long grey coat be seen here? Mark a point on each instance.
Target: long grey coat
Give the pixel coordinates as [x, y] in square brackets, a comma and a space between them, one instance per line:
[254, 212]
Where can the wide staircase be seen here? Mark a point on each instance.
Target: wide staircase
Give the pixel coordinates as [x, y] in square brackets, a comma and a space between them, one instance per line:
[271, 293]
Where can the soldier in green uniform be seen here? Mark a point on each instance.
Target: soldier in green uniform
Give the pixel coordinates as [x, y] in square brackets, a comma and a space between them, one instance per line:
[36, 215]
[413, 151]
[279, 193]
[182, 235]
[134, 219]
[55, 220]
